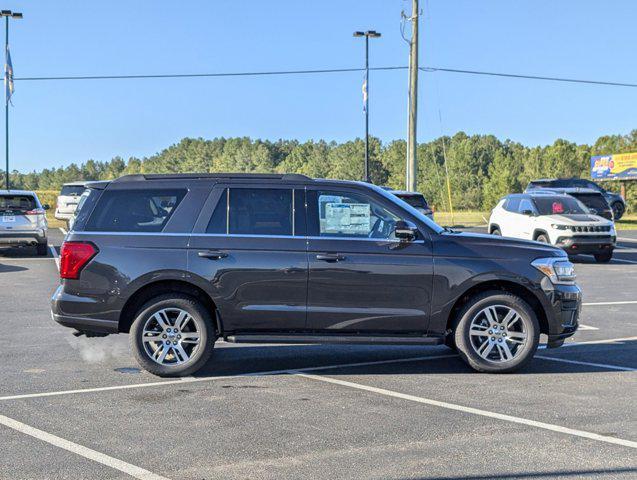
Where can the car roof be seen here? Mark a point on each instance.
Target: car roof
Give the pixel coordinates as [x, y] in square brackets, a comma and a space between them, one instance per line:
[18, 192]
[570, 190]
[198, 176]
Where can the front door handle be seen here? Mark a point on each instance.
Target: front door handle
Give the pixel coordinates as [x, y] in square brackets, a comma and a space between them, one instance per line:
[212, 255]
[330, 257]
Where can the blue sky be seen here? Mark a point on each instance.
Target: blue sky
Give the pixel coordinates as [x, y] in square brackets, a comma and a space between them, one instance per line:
[59, 122]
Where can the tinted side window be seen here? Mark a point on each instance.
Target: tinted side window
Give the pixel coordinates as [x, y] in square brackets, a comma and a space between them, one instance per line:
[260, 211]
[525, 204]
[512, 204]
[134, 210]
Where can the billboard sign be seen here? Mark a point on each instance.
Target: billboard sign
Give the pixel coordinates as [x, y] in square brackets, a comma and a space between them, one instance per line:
[621, 166]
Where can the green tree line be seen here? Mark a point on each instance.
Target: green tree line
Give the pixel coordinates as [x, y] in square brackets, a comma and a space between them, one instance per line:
[481, 168]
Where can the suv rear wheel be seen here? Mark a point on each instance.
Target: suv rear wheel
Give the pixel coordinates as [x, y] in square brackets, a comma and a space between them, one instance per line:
[618, 210]
[497, 332]
[172, 335]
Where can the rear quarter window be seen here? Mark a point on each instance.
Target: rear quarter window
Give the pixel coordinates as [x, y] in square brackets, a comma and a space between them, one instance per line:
[134, 210]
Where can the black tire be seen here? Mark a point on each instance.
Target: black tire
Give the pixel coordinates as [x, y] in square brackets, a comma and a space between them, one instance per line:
[42, 249]
[496, 231]
[204, 324]
[542, 237]
[618, 210]
[523, 353]
[603, 257]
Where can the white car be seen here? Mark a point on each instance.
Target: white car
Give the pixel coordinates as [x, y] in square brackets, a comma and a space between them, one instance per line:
[68, 199]
[554, 218]
[23, 220]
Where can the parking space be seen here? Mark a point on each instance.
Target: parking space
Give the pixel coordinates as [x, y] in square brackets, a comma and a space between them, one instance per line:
[80, 408]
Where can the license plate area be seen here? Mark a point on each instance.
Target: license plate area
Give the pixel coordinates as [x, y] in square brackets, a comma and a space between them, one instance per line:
[8, 218]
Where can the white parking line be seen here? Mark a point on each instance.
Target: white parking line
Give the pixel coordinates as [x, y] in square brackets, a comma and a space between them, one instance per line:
[625, 302]
[589, 364]
[474, 411]
[615, 259]
[586, 327]
[129, 469]
[55, 256]
[624, 239]
[64, 232]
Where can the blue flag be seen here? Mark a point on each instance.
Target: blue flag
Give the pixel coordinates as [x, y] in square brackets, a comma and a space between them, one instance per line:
[8, 76]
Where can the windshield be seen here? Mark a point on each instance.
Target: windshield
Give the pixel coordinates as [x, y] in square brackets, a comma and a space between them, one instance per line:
[17, 203]
[592, 200]
[563, 205]
[72, 190]
[416, 213]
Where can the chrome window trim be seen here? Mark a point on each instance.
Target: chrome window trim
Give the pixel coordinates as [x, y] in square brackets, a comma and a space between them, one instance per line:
[233, 235]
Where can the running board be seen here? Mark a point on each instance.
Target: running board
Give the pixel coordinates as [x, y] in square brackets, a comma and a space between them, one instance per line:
[334, 339]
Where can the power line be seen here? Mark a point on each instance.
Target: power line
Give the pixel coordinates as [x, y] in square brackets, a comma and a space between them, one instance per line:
[530, 77]
[326, 71]
[194, 75]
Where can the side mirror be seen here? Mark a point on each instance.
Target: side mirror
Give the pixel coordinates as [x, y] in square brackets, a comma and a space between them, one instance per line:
[406, 231]
[528, 213]
[46, 206]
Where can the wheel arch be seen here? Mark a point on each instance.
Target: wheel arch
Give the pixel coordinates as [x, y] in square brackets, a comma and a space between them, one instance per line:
[504, 286]
[540, 231]
[494, 226]
[161, 287]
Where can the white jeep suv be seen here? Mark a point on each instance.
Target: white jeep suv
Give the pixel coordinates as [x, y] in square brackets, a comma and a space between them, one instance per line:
[554, 218]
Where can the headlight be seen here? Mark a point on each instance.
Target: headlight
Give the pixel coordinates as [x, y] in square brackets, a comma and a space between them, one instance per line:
[560, 227]
[558, 269]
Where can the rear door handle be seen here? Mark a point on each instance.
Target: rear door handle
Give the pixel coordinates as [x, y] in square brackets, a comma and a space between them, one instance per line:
[330, 257]
[212, 255]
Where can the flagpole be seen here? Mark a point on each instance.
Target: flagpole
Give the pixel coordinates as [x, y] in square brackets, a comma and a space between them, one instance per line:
[367, 34]
[6, 102]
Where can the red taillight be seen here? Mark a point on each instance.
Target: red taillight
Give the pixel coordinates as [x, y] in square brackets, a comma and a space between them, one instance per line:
[73, 257]
[35, 211]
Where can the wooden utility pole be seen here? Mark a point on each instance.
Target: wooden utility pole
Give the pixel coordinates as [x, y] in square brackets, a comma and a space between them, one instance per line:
[412, 161]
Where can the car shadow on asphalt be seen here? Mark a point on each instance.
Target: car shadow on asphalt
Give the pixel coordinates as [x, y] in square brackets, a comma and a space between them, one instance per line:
[592, 473]
[11, 268]
[374, 360]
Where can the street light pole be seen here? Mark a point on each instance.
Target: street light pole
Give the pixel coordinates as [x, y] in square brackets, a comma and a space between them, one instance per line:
[6, 14]
[367, 35]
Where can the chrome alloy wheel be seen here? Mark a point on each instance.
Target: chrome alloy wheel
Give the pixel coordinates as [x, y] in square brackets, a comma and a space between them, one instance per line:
[498, 333]
[170, 336]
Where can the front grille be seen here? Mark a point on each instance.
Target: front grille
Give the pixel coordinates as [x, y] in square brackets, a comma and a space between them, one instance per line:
[590, 229]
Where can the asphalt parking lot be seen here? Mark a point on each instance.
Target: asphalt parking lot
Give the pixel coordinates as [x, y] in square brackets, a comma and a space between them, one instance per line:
[77, 408]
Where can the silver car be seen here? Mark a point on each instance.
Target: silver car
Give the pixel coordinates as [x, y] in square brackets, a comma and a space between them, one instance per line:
[23, 220]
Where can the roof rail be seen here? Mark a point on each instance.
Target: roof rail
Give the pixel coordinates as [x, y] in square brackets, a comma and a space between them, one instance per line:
[195, 176]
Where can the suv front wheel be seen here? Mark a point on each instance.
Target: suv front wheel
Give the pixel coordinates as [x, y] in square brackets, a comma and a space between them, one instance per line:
[172, 335]
[497, 332]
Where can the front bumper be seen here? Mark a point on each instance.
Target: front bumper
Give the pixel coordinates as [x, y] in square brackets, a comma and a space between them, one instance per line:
[29, 237]
[565, 303]
[586, 244]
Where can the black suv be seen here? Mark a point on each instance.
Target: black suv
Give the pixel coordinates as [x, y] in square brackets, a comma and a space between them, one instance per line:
[616, 201]
[180, 261]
